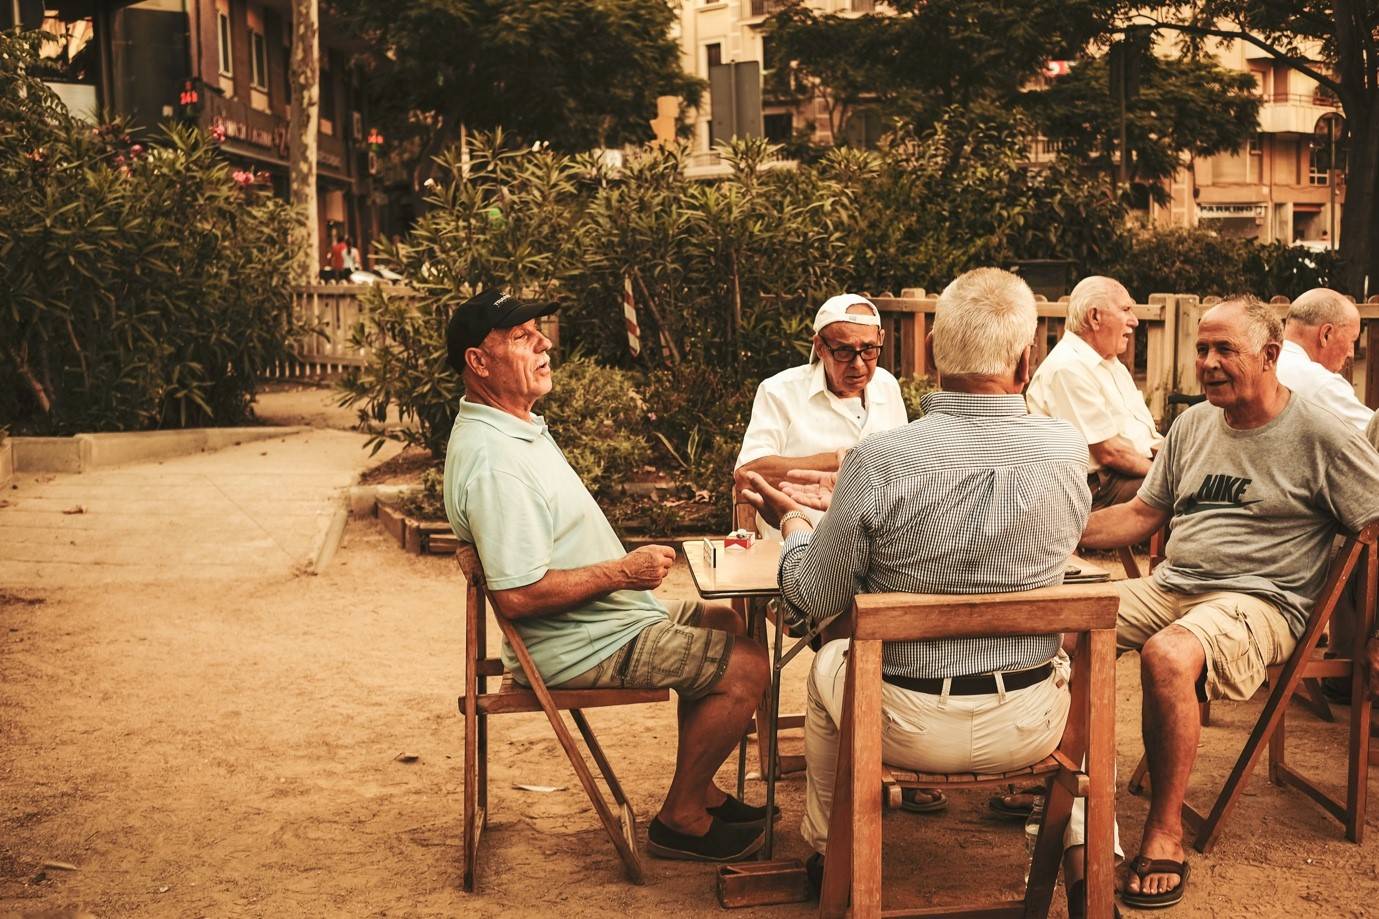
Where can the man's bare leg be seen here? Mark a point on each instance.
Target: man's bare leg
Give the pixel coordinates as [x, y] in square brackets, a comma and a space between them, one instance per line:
[710, 728]
[1170, 664]
[723, 617]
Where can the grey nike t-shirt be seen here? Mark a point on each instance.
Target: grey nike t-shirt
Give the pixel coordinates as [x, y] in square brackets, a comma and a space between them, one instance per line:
[1255, 510]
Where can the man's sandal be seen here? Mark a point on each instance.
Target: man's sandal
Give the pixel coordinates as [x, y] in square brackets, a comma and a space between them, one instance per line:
[933, 802]
[1144, 867]
[1010, 805]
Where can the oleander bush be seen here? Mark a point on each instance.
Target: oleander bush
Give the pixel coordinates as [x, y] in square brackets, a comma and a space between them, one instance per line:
[143, 286]
[1200, 261]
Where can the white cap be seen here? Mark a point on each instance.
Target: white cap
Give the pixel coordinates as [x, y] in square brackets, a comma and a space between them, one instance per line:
[835, 309]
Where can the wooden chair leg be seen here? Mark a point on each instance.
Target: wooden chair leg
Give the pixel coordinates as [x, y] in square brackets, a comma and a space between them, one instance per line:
[1139, 779]
[1128, 562]
[1361, 702]
[1311, 697]
[1269, 721]
[1048, 847]
[627, 816]
[852, 868]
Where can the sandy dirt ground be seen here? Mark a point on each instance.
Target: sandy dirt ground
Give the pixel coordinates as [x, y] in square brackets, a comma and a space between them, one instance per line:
[231, 749]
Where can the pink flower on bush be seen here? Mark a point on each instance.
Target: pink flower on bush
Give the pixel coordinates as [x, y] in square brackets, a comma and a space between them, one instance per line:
[243, 176]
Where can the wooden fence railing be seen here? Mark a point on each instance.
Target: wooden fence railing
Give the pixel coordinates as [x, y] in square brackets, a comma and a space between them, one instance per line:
[1161, 355]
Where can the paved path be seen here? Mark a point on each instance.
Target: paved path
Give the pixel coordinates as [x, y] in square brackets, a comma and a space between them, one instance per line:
[254, 510]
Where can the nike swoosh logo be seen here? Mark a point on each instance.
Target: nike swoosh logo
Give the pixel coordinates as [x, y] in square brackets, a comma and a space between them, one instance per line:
[1198, 507]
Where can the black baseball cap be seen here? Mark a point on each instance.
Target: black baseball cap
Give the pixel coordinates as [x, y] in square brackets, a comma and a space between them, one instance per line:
[481, 314]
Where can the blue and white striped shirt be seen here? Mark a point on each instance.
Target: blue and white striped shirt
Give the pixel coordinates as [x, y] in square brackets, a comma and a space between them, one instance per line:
[977, 496]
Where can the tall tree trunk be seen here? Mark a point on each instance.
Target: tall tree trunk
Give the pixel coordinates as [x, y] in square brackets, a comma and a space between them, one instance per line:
[1360, 215]
[302, 128]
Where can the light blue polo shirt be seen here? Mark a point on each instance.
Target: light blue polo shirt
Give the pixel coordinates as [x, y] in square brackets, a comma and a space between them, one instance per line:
[510, 491]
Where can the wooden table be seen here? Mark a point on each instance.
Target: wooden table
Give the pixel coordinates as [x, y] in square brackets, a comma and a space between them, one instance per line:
[739, 573]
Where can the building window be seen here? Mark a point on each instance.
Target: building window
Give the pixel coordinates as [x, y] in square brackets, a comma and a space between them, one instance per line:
[1255, 147]
[864, 6]
[714, 54]
[227, 57]
[327, 88]
[258, 61]
[779, 128]
[1318, 165]
[768, 53]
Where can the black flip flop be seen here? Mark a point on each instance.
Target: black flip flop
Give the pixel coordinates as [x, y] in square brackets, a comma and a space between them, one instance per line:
[1145, 866]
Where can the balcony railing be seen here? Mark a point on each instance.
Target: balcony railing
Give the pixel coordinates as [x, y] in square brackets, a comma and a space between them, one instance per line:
[767, 7]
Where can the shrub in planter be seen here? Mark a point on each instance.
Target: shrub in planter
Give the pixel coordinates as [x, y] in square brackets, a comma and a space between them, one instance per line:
[599, 420]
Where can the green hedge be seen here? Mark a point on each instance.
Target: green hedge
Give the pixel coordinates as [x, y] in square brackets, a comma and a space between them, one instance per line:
[143, 286]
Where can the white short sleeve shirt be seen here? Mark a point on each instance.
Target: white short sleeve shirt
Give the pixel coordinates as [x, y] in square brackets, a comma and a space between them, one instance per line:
[795, 414]
[1315, 383]
[1096, 395]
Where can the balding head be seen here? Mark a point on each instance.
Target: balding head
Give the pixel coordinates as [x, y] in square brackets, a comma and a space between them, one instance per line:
[1102, 312]
[1326, 325]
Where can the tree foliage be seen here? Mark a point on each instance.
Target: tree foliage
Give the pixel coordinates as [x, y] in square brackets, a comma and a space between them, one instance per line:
[962, 195]
[573, 73]
[933, 54]
[1184, 106]
[142, 288]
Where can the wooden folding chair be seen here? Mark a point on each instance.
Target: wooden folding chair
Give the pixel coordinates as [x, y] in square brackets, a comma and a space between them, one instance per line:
[852, 864]
[1306, 664]
[478, 703]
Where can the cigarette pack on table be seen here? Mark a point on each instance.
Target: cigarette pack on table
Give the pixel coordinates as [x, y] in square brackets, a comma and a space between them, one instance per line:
[739, 539]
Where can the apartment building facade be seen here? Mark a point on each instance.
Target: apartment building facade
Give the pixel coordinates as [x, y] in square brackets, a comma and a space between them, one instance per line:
[223, 65]
[715, 32]
[1279, 187]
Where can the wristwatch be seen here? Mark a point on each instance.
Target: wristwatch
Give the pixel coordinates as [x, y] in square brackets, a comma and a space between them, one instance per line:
[794, 515]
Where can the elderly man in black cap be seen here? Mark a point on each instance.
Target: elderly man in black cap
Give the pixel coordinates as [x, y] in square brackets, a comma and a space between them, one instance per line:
[582, 604]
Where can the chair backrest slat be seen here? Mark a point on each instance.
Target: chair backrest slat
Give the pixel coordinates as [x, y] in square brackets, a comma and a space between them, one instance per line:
[1066, 608]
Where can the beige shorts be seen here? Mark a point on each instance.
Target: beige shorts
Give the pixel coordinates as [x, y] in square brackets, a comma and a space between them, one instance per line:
[675, 654]
[1241, 634]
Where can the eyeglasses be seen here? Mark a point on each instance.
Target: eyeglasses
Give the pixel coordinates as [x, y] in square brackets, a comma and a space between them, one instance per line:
[846, 355]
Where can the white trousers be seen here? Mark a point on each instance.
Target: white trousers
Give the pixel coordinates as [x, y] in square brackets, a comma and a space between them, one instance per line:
[996, 732]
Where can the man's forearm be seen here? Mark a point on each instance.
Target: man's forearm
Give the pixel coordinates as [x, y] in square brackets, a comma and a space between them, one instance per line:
[561, 591]
[1122, 525]
[1120, 455]
[774, 468]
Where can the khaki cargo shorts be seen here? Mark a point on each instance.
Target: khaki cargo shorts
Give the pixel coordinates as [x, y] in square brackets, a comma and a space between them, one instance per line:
[675, 654]
[1241, 634]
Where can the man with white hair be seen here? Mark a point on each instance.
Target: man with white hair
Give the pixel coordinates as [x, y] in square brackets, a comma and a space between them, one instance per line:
[803, 417]
[978, 496]
[1318, 338]
[1083, 382]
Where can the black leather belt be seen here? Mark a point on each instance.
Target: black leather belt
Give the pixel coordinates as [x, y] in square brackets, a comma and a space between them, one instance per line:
[979, 685]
